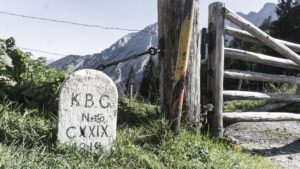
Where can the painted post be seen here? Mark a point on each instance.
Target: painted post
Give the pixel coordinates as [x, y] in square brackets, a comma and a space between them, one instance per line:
[181, 66]
[170, 18]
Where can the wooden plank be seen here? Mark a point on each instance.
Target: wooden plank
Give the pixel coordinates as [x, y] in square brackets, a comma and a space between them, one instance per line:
[259, 117]
[260, 58]
[262, 36]
[244, 35]
[254, 76]
[216, 67]
[231, 94]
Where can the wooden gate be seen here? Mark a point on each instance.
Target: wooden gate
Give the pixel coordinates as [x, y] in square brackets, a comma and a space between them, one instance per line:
[216, 73]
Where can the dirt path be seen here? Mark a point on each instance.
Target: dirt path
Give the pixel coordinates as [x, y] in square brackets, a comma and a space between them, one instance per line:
[278, 141]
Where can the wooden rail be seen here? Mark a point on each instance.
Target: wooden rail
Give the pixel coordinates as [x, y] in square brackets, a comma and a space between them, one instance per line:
[240, 34]
[244, 35]
[260, 58]
[231, 94]
[260, 116]
[262, 36]
[247, 75]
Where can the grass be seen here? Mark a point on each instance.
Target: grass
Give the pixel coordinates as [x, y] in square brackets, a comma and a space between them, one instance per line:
[278, 133]
[28, 140]
[242, 105]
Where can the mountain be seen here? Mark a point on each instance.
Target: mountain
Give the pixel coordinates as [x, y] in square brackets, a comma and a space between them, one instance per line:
[49, 61]
[258, 18]
[131, 44]
[135, 43]
[68, 62]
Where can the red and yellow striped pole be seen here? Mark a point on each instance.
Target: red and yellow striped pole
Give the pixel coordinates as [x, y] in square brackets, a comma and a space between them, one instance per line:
[181, 66]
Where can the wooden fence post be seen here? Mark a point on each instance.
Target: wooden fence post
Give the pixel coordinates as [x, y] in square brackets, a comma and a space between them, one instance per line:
[216, 67]
[193, 94]
[170, 17]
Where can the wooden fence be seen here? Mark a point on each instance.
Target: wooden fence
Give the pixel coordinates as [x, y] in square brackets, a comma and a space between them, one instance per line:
[216, 73]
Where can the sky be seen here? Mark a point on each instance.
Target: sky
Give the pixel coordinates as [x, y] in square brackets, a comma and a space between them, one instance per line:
[71, 39]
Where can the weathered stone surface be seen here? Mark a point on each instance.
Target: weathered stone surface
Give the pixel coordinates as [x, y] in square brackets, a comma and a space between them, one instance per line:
[88, 110]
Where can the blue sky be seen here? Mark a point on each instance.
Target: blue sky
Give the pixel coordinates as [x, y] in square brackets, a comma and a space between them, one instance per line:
[70, 39]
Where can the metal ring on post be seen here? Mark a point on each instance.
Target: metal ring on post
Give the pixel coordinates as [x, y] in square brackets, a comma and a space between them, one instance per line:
[153, 51]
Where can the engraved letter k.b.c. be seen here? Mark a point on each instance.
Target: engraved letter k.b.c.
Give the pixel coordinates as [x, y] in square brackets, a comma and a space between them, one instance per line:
[74, 99]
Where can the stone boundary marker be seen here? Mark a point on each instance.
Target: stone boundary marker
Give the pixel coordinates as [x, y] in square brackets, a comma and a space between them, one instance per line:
[88, 105]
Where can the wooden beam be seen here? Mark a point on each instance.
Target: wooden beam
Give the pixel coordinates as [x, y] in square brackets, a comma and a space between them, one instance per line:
[262, 36]
[216, 67]
[244, 35]
[260, 58]
[259, 117]
[257, 95]
[254, 76]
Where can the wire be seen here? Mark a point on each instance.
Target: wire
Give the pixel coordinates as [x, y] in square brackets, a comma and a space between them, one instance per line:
[35, 50]
[151, 51]
[75, 23]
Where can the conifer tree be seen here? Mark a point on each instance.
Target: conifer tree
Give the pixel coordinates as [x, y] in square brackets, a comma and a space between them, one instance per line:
[287, 27]
[149, 88]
